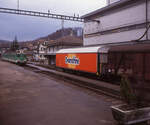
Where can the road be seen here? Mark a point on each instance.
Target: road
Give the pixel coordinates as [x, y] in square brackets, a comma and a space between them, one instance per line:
[30, 98]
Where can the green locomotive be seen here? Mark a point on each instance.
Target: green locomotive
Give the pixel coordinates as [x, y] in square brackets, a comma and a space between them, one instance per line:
[15, 57]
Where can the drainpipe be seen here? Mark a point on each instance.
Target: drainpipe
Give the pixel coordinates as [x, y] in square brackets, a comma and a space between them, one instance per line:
[108, 2]
[146, 21]
[146, 2]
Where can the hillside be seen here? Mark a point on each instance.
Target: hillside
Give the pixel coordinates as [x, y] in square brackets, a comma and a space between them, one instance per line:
[77, 32]
[4, 43]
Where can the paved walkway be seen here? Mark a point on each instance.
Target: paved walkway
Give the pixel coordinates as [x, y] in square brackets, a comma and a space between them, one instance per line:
[28, 98]
[107, 88]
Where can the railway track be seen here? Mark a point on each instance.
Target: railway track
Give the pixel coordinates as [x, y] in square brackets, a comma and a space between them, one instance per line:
[98, 87]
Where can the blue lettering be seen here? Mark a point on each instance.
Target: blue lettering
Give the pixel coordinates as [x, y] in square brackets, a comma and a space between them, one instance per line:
[73, 60]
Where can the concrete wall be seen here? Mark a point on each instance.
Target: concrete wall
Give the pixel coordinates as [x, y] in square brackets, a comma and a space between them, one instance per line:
[135, 14]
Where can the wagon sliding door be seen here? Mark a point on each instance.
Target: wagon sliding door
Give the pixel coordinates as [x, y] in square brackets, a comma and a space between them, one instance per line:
[147, 66]
[141, 66]
[102, 61]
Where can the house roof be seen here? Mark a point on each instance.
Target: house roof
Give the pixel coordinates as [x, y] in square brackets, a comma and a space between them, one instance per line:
[110, 7]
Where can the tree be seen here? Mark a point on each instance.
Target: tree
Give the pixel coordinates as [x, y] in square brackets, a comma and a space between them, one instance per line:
[15, 45]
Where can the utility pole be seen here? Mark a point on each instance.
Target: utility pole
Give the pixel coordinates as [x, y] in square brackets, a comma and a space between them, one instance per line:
[62, 26]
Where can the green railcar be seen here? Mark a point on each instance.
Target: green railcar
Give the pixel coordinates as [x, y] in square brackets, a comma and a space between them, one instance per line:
[15, 57]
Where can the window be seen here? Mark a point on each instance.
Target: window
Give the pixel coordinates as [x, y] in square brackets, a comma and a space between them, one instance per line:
[103, 58]
[18, 55]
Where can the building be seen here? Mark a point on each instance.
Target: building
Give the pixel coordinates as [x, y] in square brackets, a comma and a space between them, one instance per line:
[35, 52]
[4, 49]
[65, 42]
[29, 54]
[41, 51]
[111, 1]
[121, 21]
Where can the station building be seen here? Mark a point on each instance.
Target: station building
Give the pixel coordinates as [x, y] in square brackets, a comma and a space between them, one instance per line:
[121, 21]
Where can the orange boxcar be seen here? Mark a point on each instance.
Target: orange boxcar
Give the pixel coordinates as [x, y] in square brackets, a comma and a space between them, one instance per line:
[86, 62]
[86, 59]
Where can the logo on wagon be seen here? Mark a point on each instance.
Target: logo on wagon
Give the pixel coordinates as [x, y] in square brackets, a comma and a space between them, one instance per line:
[72, 59]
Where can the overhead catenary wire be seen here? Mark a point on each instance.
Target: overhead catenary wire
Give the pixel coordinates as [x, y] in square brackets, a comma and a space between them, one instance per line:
[44, 14]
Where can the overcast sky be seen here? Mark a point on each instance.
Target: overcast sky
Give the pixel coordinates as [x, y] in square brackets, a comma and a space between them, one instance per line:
[30, 28]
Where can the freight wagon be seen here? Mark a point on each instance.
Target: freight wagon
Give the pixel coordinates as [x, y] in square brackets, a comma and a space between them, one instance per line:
[131, 59]
[86, 59]
[108, 60]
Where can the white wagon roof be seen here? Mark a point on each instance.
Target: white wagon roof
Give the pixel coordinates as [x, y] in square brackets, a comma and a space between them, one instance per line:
[97, 49]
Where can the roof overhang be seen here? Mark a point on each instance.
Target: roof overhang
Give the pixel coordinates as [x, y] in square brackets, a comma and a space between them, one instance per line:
[110, 7]
[138, 47]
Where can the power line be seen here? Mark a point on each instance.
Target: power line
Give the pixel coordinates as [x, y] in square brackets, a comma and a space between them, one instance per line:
[42, 14]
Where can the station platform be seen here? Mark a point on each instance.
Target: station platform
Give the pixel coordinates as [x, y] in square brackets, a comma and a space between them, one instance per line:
[106, 88]
[30, 98]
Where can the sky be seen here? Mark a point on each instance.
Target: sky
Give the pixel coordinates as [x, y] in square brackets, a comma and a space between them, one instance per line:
[30, 28]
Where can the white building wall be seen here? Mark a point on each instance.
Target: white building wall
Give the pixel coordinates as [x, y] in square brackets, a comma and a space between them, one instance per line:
[91, 27]
[125, 17]
[115, 37]
[50, 50]
[53, 49]
[42, 49]
[149, 10]
[111, 1]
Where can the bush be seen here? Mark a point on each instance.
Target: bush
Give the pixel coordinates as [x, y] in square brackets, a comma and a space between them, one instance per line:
[126, 91]
[135, 91]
